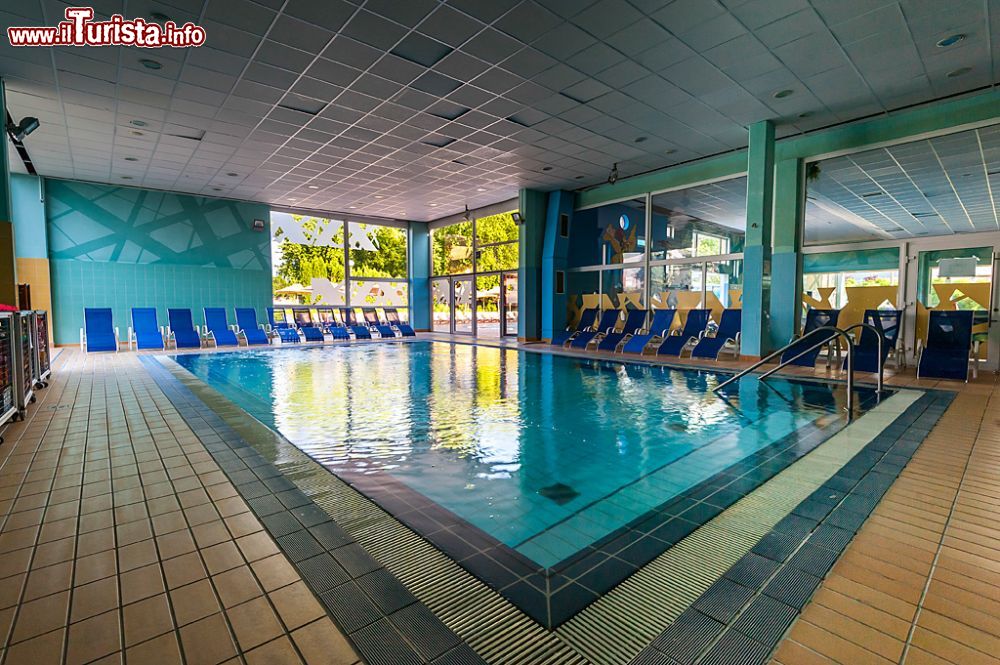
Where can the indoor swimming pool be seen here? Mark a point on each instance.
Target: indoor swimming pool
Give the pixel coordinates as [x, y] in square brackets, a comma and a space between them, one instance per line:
[517, 463]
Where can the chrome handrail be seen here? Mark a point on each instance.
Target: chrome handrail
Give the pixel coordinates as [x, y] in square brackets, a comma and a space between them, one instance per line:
[829, 329]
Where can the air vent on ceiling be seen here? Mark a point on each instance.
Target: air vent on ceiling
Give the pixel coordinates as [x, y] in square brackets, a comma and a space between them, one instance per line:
[871, 194]
[924, 214]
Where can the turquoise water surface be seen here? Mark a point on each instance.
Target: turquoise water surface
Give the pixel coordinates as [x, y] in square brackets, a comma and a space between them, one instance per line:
[546, 453]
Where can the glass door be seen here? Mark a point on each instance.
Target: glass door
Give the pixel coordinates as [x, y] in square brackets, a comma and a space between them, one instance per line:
[508, 304]
[441, 305]
[954, 278]
[463, 305]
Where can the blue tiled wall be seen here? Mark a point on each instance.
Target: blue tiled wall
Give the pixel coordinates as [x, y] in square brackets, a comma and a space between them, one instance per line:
[125, 247]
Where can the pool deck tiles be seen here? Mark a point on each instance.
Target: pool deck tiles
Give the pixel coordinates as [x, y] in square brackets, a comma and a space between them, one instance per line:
[151, 553]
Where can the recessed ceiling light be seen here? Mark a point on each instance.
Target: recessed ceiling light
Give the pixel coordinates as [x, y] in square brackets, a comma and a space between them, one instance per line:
[216, 189]
[805, 114]
[136, 132]
[781, 94]
[137, 123]
[433, 205]
[641, 139]
[546, 168]
[480, 189]
[160, 17]
[126, 177]
[352, 207]
[379, 196]
[131, 159]
[951, 40]
[292, 198]
[669, 151]
[313, 186]
[870, 194]
[149, 63]
[961, 71]
[232, 174]
[579, 177]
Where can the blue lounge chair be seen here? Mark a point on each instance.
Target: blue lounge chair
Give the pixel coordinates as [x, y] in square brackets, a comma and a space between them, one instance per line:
[949, 346]
[658, 329]
[329, 321]
[98, 332]
[371, 318]
[606, 326]
[392, 316]
[218, 327]
[634, 321]
[285, 332]
[866, 358]
[182, 329]
[815, 318]
[694, 330]
[587, 319]
[308, 328]
[144, 332]
[246, 322]
[351, 319]
[727, 332]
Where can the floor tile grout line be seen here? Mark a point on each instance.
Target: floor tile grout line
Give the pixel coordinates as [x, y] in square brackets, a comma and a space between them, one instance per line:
[940, 544]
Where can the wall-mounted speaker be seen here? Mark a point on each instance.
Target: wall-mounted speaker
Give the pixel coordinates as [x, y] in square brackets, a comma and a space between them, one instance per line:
[258, 225]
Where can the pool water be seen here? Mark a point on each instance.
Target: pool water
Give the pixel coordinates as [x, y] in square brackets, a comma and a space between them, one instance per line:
[545, 453]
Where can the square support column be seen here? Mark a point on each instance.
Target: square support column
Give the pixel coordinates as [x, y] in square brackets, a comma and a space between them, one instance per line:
[786, 252]
[420, 273]
[531, 232]
[8, 267]
[554, 255]
[757, 250]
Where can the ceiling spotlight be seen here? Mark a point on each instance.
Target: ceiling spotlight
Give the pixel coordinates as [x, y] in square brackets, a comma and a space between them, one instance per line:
[159, 17]
[951, 40]
[126, 177]
[641, 139]
[352, 207]
[137, 123]
[961, 71]
[480, 189]
[805, 114]
[781, 94]
[313, 186]
[433, 205]
[149, 63]
[613, 176]
[579, 177]
[136, 132]
[546, 168]
[232, 174]
[22, 129]
[379, 196]
[131, 159]
[216, 189]
[669, 151]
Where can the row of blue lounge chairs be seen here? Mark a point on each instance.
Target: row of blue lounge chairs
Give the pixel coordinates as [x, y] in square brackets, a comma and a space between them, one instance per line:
[947, 353]
[100, 334]
[697, 335]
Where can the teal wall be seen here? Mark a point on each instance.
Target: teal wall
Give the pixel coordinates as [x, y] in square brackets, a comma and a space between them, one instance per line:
[555, 249]
[29, 216]
[123, 247]
[533, 205]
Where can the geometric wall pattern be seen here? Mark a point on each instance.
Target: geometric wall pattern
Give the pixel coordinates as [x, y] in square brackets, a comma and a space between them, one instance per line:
[126, 247]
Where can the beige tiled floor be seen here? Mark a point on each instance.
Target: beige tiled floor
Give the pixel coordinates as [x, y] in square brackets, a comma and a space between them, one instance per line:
[122, 541]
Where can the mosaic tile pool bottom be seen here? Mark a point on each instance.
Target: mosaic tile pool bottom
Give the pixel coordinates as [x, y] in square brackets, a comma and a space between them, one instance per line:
[670, 453]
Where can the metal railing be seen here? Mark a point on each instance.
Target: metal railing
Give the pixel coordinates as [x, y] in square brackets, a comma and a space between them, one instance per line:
[832, 333]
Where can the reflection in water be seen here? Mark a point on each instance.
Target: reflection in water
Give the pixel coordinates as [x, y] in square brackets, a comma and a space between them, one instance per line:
[487, 432]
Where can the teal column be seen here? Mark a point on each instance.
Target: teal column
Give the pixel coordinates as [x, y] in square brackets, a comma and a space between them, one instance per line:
[5, 200]
[786, 252]
[555, 250]
[757, 251]
[420, 273]
[532, 205]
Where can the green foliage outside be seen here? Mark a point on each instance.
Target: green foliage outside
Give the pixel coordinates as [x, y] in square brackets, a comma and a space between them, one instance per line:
[300, 263]
[451, 252]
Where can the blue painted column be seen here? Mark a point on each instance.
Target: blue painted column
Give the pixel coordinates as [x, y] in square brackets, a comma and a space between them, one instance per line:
[555, 250]
[8, 266]
[532, 204]
[786, 252]
[757, 251]
[420, 273]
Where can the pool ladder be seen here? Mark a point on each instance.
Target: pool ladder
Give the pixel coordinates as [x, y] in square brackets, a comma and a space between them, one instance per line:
[832, 332]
